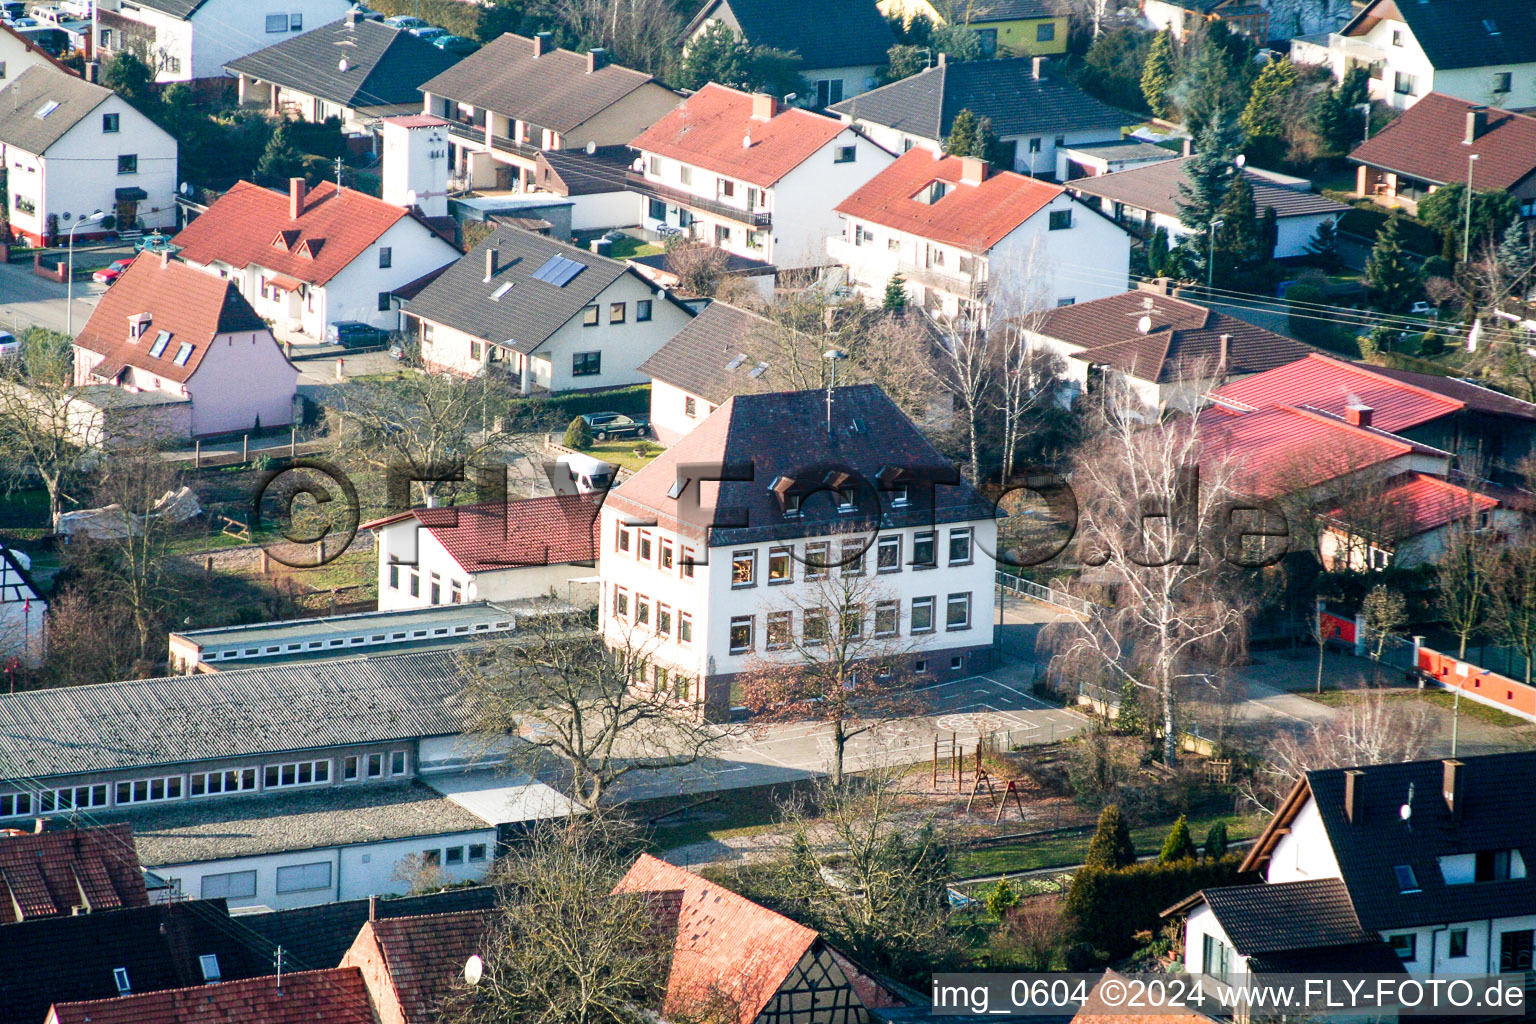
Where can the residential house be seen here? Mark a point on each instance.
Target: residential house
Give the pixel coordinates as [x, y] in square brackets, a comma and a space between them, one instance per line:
[705, 584]
[1163, 351]
[1426, 857]
[354, 69]
[1442, 140]
[1403, 522]
[1481, 51]
[972, 245]
[282, 785]
[723, 351]
[104, 953]
[72, 871]
[516, 97]
[165, 329]
[1148, 198]
[22, 611]
[336, 996]
[735, 171]
[507, 551]
[1033, 114]
[1004, 27]
[193, 40]
[71, 148]
[412, 965]
[312, 257]
[19, 52]
[553, 316]
[596, 183]
[842, 44]
[727, 950]
[1089, 160]
[1181, 18]
[1488, 433]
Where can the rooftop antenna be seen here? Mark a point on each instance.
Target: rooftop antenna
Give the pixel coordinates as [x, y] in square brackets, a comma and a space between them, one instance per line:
[832, 356]
[279, 970]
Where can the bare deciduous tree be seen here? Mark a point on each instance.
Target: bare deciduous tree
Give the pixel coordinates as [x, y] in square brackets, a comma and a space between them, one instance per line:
[1465, 571]
[965, 364]
[39, 406]
[85, 639]
[640, 34]
[1027, 375]
[1385, 612]
[1512, 607]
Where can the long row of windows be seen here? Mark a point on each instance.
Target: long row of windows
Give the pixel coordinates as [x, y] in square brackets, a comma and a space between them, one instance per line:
[618, 312]
[435, 588]
[654, 616]
[850, 557]
[816, 623]
[662, 552]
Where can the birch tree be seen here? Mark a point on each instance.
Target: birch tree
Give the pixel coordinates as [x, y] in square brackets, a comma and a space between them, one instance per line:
[964, 364]
[1027, 374]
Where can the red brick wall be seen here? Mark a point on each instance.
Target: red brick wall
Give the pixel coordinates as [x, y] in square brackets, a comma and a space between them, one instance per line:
[366, 956]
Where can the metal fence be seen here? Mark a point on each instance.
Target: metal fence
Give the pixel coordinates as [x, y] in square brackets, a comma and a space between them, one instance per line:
[1046, 595]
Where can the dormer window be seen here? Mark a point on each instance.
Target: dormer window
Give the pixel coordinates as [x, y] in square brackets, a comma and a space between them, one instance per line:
[120, 978]
[899, 495]
[846, 499]
[138, 325]
[1482, 866]
[932, 192]
[791, 505]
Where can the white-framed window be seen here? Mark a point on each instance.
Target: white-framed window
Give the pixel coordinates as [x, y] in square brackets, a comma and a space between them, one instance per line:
[304, 877]
[922, 614]
[642, 610]
[277, 23]
[684, 628]
[852, 561]
[813, 626]
[781, 563]
[957, 613]
[887, 618]
[121, 980]
[621, 602]
[72, 798]
[780, 630]
[888, 554]
[960, 546]
[141, 791]
[743, 569]
[817, 557]
[350, 766]
[233, 885]
[741, 633]
[663, 619]
[12, 804]
[922, 549]
[208, 963]
[375, 766]
[296, 773]
[399, 763]
[230, 780]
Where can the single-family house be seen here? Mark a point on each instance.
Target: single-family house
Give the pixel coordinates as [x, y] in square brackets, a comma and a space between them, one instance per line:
[166, 330]
[1403, 522]
[1147, 198]
[973, 244]
[1481, 51]
[411, 965]
[23, 610]
[1034, 114]
[1163, 351]
[736, 171]
[312, 257]
[508, 551]
[1442, 140]
[19, 52]
[355, 69]
[1180, 18]
[1424, 858]
[193, 40]
[517, 97]
[1004, 28]
[708, 580]
[842, 44]
[555, 317]
[71, 148]
[336, 995]
[723, 351]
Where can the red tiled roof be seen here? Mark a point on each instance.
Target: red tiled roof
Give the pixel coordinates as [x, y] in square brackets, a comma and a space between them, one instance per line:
[250, 225]
[1283, 449]
[192, 305]
[336, 996]
[1419, 503]
[46, 873]
[533, 531]
[1329, 384]
[424, 955]
[974, 217]
[707, 130]
[1426, 141]
[725, 942]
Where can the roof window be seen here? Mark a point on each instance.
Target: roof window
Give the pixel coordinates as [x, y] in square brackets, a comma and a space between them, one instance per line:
[183, 353]
[500, 291]
[1491, 25]
[46, 109]
[209, 962]
[158, 348]
[1406, 880]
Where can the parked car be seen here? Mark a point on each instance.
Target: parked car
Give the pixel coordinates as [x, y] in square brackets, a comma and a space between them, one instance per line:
[111, 272]
[366, 14]
[429, 33]
[405, 21]
[10, 348]
[456, 44]
[24, 23]
[356, 334]
[1424, 309]
[615, 424]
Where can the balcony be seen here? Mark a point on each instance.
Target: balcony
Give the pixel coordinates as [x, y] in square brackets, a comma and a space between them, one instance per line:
[472, 132]
[502, 144]
[637, 182]
[964, 285]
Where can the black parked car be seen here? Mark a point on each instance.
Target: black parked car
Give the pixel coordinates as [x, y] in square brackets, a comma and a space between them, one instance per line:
[615, 424]
[356, 334]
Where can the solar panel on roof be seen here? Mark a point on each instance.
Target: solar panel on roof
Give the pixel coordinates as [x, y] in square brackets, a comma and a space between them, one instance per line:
[558, 271]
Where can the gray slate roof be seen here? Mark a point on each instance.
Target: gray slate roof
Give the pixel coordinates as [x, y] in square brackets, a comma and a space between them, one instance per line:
[181, 9]
[36, 87]
[554, 91]
[1452, 33]
[698, 357]
[530, 311]
[1006, 90]
[189, 832]
[1155, 187]
[385, 66]
[148, 722]
[1286, 916]
[825, 33]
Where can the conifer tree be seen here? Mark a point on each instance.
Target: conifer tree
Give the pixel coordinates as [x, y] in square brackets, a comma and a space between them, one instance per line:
[961, 140]
[1393, 279]
[1157, 252]
[1157, 74]
[1216, 841]
[1111, 845]
[985, 145]
[895, 294]
[1516, 254]
[1208, 174]
[1180, 844]
[1264, 118]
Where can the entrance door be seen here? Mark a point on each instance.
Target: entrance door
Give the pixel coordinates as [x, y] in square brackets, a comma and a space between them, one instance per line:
[1515, 951]
[127, 214]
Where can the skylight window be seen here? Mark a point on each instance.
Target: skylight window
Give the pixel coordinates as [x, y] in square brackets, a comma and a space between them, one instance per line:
[183, 354]
[499, 292]
[559, 271]
[735, 364]
[159, 345]
[1406, 880]
[1491, 25]
[757, 371]
[46, 109]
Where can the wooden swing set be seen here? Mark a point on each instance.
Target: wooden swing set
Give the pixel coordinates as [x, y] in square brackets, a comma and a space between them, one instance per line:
[951, 755]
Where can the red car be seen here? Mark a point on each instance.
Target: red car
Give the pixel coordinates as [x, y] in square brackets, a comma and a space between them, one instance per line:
[108, 274]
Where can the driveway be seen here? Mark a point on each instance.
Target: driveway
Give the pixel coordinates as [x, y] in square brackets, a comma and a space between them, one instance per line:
[27, 300]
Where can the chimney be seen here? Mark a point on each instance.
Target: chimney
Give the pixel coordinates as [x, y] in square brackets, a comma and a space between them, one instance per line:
[295, 198]
[1477, 123]
[941, 58]
[1358, 415]
[165, 258]
[1157, 286]
[1189, 146]
[543, 42]
[352, 16]
[1226, 350]
[597, 59]
[1450, 788]
[40, 826]
[490, 264]
[764, 106]
[373, 908]
[973, 170]
[1035, 66]
[92, 71]
[1352, 784]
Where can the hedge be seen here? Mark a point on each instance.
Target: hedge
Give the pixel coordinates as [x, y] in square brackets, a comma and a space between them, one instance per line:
[556, 411]
[1108, 907]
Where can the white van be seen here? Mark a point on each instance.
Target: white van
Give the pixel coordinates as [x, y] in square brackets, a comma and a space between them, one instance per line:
[581, 474]
[10, 348]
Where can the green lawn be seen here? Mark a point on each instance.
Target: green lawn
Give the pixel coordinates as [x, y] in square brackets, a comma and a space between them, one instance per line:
[622, 452]
[629, 246]
[737, 812]
[1070, 850]
[1442, 699]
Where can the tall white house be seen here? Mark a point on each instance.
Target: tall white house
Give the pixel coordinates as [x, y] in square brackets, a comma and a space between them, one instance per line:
[192, 40]
[416, 162]
[707, 579]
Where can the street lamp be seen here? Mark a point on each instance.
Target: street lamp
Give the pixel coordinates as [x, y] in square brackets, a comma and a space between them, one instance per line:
[1210, 256]
[69, 282]
[1466, 236]
[833, 356]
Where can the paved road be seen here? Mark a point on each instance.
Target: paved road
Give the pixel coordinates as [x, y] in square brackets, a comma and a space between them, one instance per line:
[27, 300]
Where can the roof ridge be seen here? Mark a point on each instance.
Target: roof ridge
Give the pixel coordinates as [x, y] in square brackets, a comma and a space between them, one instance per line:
[1364, 369]
[1338, 421]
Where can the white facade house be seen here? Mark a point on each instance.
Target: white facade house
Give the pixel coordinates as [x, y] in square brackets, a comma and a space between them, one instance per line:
[191, 40]
[972, 243]
[733, 170]
[22, 611]
[704, 594]
[550, 315]
[18, 53]
[1481, 51]
[311, 258]
[71, 148]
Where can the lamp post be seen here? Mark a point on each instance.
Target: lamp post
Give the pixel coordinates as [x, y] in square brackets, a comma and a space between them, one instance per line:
[69, 282]
[833, 356]
[1210, 256]
[1466, 235]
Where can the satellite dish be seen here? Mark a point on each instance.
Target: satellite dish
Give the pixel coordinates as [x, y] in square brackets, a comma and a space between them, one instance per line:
[186, 188]
[474, 970]
[342, 64]
[410, 198]
[1241, 160]
[1144, 325]
[746, 141]
[1405, 812]
[591, 146]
